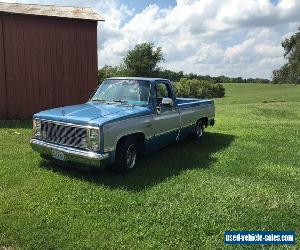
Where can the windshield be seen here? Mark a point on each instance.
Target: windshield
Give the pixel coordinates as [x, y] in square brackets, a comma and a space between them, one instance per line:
[135, 92]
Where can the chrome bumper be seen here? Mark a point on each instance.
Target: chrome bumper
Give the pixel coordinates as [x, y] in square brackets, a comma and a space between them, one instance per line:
[70, 154]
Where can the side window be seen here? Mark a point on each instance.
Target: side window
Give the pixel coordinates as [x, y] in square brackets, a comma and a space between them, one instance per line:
[162, 91]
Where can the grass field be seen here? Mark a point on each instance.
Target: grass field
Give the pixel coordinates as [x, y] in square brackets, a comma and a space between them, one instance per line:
[244, 175]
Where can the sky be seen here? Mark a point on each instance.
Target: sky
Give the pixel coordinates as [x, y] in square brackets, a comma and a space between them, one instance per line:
[207, 37]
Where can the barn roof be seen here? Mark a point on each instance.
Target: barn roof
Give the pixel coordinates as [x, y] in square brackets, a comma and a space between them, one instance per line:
[84, 13]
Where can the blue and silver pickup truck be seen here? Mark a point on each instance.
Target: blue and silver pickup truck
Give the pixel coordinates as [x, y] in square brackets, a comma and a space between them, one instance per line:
[125, 118]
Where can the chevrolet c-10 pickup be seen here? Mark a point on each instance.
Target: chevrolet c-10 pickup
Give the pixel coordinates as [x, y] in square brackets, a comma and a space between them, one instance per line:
[125, 117]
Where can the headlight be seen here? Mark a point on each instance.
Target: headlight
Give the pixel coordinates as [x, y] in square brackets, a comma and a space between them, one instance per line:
[37, 133]
[94, 139]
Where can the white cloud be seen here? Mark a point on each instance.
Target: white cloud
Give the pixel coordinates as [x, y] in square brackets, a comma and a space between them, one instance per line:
[230, 37]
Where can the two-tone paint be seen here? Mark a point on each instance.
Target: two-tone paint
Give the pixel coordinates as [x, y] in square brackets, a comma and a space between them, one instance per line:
[154, 128]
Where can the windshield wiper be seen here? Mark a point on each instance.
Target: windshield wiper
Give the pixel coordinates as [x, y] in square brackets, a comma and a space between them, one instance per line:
[121, 101]
[98, 100]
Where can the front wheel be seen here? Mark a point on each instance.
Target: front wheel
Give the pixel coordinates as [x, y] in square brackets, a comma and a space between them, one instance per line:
[126, 154]
[199, 130]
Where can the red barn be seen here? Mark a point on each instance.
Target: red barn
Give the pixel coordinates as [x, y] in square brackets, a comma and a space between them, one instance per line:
[48, 57]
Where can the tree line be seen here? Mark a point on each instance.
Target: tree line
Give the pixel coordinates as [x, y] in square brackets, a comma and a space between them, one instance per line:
[110, 71]
[290, 71]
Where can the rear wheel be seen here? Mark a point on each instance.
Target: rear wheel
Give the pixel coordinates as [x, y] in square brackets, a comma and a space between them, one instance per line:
[199, 130]
[126, 154]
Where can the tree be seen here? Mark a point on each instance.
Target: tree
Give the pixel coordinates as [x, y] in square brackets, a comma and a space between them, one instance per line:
[199, 88]
[171, 75]
[143, 60]
[290, 72]
[108, 71]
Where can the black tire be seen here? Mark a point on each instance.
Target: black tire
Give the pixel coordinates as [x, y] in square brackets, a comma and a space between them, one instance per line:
[199, 131]
[126, 154]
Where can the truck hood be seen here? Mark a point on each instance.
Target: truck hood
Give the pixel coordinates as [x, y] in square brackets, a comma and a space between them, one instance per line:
[93, 114]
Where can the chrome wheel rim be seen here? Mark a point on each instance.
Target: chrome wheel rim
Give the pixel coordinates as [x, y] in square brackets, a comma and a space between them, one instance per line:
[131, 156]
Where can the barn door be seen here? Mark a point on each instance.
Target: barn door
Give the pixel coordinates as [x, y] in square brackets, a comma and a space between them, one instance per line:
[3, 97]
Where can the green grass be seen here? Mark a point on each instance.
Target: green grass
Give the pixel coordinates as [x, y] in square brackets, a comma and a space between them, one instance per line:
[244, 175]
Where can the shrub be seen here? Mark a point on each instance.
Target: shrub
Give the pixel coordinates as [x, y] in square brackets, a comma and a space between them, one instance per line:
[195, 88]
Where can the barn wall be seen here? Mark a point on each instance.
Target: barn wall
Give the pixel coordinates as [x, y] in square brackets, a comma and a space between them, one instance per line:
[2, 77]
[49, 63]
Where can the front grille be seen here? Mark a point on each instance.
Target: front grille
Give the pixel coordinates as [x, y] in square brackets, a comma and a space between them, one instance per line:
[63, 134]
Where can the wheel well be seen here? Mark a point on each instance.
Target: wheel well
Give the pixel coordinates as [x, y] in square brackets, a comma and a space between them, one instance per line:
[204, 120]
[140, 138]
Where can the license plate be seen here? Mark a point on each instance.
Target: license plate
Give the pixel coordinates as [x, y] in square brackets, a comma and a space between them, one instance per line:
[58, 155]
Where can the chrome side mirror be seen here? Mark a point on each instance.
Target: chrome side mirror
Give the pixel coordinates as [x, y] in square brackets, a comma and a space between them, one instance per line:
[167, 102]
